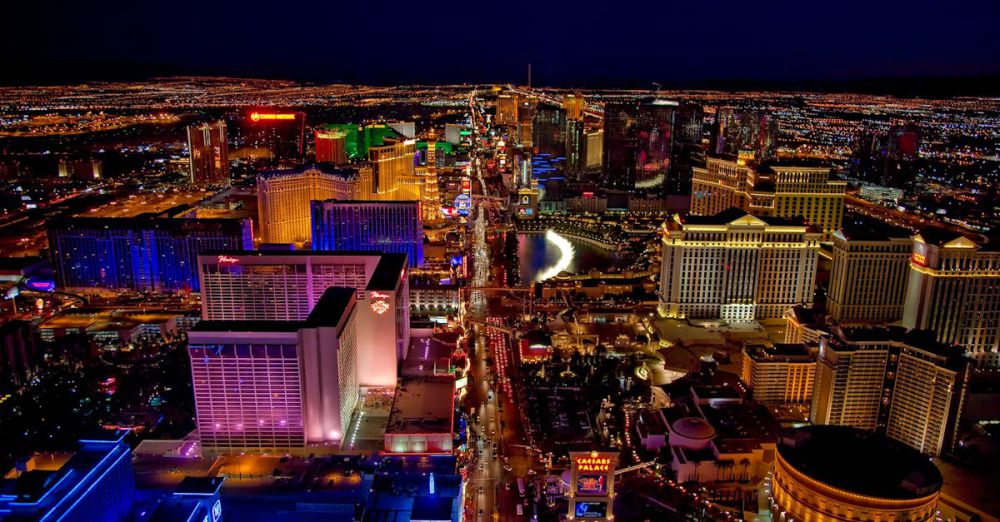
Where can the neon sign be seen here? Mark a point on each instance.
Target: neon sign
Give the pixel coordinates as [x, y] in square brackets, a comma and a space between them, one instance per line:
[463, 203]
[228, 260]
[258, 116]
[380, 302]
[601, 464]
[920, 259]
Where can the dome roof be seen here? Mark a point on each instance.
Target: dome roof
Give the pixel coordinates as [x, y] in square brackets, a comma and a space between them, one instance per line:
[693, 428]
[860, 462]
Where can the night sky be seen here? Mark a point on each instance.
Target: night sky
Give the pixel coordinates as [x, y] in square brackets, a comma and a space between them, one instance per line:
[691, 43]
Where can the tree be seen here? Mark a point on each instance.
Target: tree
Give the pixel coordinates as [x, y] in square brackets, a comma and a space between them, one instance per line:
[725, 469]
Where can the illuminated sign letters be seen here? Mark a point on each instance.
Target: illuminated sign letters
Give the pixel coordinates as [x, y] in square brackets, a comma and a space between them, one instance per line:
[217, 510]
[258, 116]
[379, 302]
[600, 464]
[228, 260]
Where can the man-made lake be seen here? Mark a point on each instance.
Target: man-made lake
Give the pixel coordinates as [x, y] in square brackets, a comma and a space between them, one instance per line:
[545, 255]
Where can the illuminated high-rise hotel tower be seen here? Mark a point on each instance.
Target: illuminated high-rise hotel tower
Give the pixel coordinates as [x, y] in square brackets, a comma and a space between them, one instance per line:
[954, 289]
[736, 267]
[283, 197]
[331, 146]
[389, 227]
[208, 154]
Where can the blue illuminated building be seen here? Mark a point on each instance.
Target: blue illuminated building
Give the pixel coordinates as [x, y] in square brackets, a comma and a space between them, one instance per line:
[547, 167]
[388, 227]
[411, 488]
[196, 499]
[142, 253]
[96, 484]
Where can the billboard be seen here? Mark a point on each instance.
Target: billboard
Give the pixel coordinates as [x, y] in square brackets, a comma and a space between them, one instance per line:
[591, 510]
[588, 484]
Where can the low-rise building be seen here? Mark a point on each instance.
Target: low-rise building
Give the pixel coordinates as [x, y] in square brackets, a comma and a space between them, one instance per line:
[713, 435]
[422, 416]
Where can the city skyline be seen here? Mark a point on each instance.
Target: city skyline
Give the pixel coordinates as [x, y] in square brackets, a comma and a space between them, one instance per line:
[685, 46]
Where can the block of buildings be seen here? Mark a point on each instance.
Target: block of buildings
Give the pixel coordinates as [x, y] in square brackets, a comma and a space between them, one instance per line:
[142, 253]
[903, 384]
[286, 286]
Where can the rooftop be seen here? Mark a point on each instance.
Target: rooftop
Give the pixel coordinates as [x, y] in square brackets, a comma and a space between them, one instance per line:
[18, 265]
[145, 221]
[860, 462]
[733, 214]
[147, 203]
[52, 492]
[331, 307]
[857, 227]
[693, 428]
[385, 277]
[356, 202]
[428, 356]
[341, 171]
[939, 236]
[199, 486]
[740, 425]
[388, 273]
[248, 326]
[780, 353]
[922, 339]
[803, 315]
[651, 423]
[422, 406]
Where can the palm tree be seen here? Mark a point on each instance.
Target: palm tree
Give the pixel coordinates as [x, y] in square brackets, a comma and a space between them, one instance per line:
[726, 469]
[746, 465]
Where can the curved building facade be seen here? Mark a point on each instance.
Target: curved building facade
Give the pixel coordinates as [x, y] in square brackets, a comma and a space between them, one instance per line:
[836, 473]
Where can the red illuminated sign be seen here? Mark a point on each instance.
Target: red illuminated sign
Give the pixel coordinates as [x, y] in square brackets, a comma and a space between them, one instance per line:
[380, 302]
[258, 116]
[920, 259]
[228, 260]
[588, 195]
